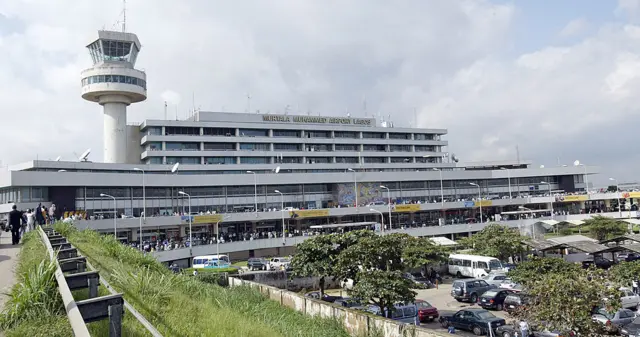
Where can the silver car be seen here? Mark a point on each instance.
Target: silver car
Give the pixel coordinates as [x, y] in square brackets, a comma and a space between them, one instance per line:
[495, 278]
[613, 321]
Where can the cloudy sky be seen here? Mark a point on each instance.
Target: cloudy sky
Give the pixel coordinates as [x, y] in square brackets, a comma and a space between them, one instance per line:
[560, 80]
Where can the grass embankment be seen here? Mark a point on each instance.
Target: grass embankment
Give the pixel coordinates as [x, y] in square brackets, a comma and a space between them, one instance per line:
[179, 305]
[35, 307]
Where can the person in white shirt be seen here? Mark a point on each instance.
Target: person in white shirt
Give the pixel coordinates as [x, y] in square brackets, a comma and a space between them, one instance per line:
[524, 329]
[31, 220]
[634, 284]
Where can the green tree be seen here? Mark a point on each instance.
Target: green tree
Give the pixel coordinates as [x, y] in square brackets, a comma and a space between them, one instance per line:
[625, 272]
[564, 301]
[602, 227]
[383, 288]
[315, 257]
[534, 269]
[421, 252]
[496, 240]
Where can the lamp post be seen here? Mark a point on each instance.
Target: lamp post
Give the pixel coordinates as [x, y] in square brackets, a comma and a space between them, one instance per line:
[218, 235]
[190, 222]
[441, 187]
[618, 191]
[174, 170]
[551, 203]
[115, 213]
[533, 228]
[586, 179]
[480, 199]
[381, 219]
[508, 179]
[355, 185]
[284, 237]
[144, 204]
[389, 195]
[255, 189]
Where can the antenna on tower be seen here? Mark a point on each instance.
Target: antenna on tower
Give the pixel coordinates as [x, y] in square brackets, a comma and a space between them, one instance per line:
[364, 105]
[124, 16]
[165, 110]
[248, 103]
[518, 154]
[415, 117]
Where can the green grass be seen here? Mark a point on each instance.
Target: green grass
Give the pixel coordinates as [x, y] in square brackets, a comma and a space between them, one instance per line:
[240, 264]
[180, 305]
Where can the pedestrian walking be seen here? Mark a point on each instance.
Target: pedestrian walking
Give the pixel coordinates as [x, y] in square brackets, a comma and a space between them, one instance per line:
[524, 328]
[31, 220]
[15, 223]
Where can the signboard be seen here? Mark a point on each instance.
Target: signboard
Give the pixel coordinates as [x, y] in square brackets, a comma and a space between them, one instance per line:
[317, 120]
[202, 219]
[406, 208]
[469, 204]
[630, 195]
[311, 213]
[483, 203]
[571, 198]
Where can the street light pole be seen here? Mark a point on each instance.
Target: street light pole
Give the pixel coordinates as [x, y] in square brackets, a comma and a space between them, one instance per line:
[190, 222]
[552, 198]
[144, 204]
[255, 188]
[389, 195]
[480, 200]
[508, 179]
[618, 191]
[586, 179]
[218, 235]
[381, 219]
[115, 214]
[284, 237]
[355, 186]
[441, 187]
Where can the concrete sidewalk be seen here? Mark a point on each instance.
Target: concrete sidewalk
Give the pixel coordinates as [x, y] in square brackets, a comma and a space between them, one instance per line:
[8, 261]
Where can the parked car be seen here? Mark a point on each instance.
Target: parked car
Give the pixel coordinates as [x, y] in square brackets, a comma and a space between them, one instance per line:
[613, 321]
[426, 311]
[632, 329]
[349, 302]
[495, 278]
[327, 298]
[279, 263]
[494, 298]
[256, 263]
[420, 281]
[511, 330]
[469, 290]
[599, 262]
[475, 320]
[515, 301]
[405, 313]
[629, 300]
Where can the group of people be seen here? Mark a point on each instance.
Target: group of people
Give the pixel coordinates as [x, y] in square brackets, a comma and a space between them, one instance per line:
[20, 222]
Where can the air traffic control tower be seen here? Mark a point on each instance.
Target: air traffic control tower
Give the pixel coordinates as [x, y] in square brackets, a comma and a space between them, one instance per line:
[114, 83]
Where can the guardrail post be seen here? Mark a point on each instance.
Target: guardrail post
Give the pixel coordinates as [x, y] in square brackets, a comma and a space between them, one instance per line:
[115, 320]
[93, 287]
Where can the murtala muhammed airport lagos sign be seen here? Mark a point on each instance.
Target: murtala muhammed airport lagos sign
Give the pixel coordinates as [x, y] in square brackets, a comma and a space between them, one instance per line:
[316, 120]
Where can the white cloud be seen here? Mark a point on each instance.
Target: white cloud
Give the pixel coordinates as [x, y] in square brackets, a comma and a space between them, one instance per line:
[452, 61]
[574, 27]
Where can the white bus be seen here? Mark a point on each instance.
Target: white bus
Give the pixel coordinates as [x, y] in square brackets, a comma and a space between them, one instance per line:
[202, 261]
[475, 266]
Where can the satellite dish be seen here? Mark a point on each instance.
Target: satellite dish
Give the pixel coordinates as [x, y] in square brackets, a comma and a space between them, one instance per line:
[576, 163]
[277, 169]
[174, 169]
[58, 158]
[541, 166]
[85, 155]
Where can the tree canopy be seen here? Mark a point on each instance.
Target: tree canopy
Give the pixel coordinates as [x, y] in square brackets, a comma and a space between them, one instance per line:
[625, 272]
[534, 269]
[315, 257]
[383, 288]
[496, 240]
[602, 227]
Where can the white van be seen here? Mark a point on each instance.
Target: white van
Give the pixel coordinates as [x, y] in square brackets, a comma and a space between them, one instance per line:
[475, 266]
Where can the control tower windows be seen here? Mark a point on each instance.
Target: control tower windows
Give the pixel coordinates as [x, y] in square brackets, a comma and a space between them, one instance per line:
[116, 50]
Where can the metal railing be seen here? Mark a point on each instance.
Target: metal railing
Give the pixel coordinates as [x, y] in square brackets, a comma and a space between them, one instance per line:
[95, 308]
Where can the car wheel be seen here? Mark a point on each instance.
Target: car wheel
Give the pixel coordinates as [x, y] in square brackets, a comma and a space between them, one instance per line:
[444, 323]
[473, 298]
[506, 334]
[459, 299]
[477, 331]
[499, 307]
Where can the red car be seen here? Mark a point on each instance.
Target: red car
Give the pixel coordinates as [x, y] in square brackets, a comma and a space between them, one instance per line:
[426, 312]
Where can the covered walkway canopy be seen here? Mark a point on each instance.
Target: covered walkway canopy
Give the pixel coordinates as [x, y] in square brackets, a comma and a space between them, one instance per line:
[627, 237]
[442, 241]
[344, 225]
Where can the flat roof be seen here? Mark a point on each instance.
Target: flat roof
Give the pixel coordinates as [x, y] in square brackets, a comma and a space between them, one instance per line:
[626, 237]
[571, 238]
[443, 241]
[341, 225]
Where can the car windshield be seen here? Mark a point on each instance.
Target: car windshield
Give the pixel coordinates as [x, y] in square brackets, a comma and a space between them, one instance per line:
[423, 305]
[490, 293]
[285, 260]
[485, 315]
[495, 264]
[604, 313]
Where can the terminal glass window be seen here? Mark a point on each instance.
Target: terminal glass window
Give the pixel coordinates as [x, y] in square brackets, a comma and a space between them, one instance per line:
[399, 135]
[424, 136]
[400, 148]
[401, 160]
[347, 147]
[183, 160]
[287, 147]
[255, 147]
[288, 160]
[114, 79]
[154, 130]
[428, 159]
[154, 160]
[171, 146]
[319, 147]
[345, 134]
[227, 132]
[374, 148]
[254, 133]
[317, 188]
[425, 148]
[116, 50]
[373, 135]
[254, 160]
[181, 131]
[319, 160]
[220, 160]
[287, 133]
[375, 160]
[154, 146]
[219, 146]
[347, 160]
[318, 134]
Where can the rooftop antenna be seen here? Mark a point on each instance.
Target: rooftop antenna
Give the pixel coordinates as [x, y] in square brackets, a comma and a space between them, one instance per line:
[518, 154]
[248, 103]
[193, 100]
[124, 16]
[286, 109]
[415, 117]
[364, 105]
[165, 110]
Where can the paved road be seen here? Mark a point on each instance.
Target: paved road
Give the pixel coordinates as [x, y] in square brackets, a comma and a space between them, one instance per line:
[8, 260]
